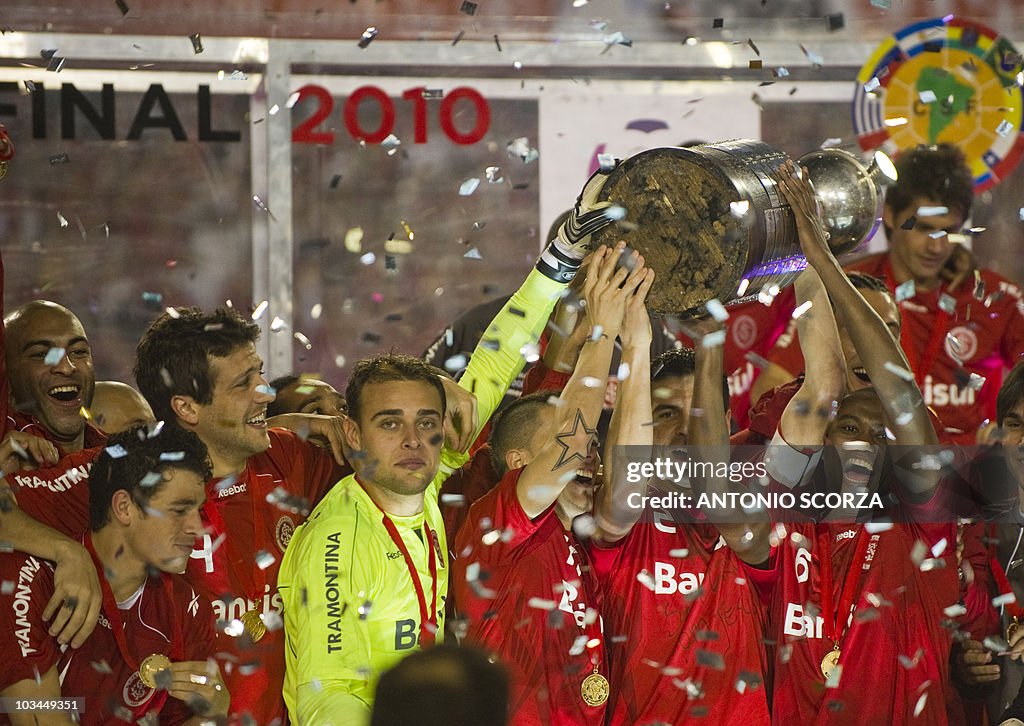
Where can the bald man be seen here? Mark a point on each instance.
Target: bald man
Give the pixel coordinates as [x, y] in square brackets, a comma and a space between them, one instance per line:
[118, 407]
[50, 376]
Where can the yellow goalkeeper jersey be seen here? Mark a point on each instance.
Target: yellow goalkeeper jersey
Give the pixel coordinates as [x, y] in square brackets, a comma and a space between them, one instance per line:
[350, 608]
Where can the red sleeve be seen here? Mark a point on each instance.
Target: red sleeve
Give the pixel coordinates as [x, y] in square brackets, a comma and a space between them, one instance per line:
[58, 496]
[542, 378]
[34, 651]
[502, 509]
[308, 466]
[786, 353]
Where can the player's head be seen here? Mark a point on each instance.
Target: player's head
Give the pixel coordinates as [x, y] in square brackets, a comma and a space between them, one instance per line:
[672, 377]
[877, 295]
[523, 428]
[117, 407]
[856, 438]
[305, 394]
[49, 366]
[395, 423]
[935, 177]
[443, 686]
[1010, 418]
[202, 370]
[149, 483]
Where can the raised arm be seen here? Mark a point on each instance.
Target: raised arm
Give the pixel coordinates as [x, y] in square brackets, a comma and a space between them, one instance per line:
[806, 416]
[631, 425]
[746, 534]
[579, 406]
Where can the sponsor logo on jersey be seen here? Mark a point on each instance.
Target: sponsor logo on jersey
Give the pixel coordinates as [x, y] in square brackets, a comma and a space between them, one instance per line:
[669, 582]
[23, 603]
[846, 534]
[283, 532]
[270, 604]
[799, 625]
[193, 604]
[136, 692]
[58, 484]
[236, 488]
[946, 394]
[332, 595]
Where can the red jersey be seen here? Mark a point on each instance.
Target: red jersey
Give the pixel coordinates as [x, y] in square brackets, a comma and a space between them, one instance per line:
[989, 335]
[97, 671]
[894, 649]
[249, 521]
[58, 496]
[530, 597]
[685, 627]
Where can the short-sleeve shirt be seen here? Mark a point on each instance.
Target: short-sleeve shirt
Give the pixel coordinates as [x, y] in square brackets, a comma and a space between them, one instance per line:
[97, 671]
[526, 588]
[678, 611]
[236, 564]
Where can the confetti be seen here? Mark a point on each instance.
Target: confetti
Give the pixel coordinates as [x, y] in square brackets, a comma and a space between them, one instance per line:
[469, 186]
[884, 4]
[259, 203]
[780, 72]
[497, 42]
[150, 479]
[1004, 128]
[122, 6]
[260, 309]
[927, 96]
[896, 121]
[899, 371]
[473, 254]
[59, 159]
[742, 289]
[955, 611]
[932, 211]
[367, 37]
[947, 303]
[713, 340]
[303, 340]
[354, 240]
[816, 60]
[1004, 599]
[54, 356]
[520, 147]
[607, 162]
[919, 706]
[717, 310]
[872, 85]
[172, 456]
[801, 309]
[739, 209]
[116, 451]
[835, 22]
[755, 65]
[905, 291]
[615, 213]
[975, 382]
[435, 93]
[264, 559]
[458, 37]
[398, 247]
[468, 7]
[368, 259]
[197, 43]
[831, 143]
[718, 23]
[493, 174]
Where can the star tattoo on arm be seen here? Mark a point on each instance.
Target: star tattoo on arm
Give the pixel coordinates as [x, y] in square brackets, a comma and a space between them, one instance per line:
[575, 443]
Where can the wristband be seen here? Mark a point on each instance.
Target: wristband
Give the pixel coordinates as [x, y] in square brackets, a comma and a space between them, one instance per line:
[557, 265]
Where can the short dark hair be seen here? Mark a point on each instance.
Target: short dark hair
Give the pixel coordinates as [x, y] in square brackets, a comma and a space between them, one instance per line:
[864, 281]
[385, 368]
[513, 426]
[443, 686]
[274, 408]
[173, 356]
[1010, 393]
[130, 458]
[938, 173]
[681, 362]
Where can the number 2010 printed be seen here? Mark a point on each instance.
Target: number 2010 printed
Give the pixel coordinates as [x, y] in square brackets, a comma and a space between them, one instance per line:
[306, 133]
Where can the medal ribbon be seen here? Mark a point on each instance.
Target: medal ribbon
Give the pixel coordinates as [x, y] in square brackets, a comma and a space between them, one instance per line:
[835, 618]
[923, 366]
[427, 636]
[117, 625]
[1013, 609]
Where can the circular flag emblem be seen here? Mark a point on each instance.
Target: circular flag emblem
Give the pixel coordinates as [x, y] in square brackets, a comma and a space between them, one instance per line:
[945, 81]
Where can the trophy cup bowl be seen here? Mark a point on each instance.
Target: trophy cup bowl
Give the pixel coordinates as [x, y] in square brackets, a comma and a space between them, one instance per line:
[712, 224]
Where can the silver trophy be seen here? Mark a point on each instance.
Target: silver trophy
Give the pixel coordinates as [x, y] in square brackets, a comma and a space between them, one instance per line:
[712, 223]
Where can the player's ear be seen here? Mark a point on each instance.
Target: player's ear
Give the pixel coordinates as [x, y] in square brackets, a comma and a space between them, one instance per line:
[122, 506]
[186, 409]
[889, 217]
[516, 459]
[350, 429]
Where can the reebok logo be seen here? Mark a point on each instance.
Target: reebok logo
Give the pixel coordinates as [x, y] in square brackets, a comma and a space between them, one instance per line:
[233, 489]
[848, 534]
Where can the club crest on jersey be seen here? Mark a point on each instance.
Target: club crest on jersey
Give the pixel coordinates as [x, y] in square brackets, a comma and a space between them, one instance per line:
[283, 532]
[744, 331]
[135, 691]
[966, 343]
[437, 547]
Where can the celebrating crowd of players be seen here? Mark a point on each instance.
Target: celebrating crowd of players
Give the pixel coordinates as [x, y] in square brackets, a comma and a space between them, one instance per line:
[237, 552]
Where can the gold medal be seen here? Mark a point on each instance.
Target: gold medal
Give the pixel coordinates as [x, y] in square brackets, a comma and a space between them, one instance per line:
[594, 689]
[253, 625]
[830, 662]
[1011, 629]
[151, 666]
